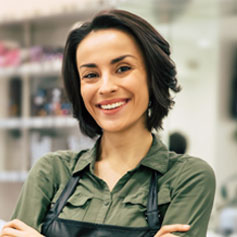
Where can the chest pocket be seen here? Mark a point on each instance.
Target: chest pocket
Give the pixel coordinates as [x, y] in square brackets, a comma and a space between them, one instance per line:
[138, 199]
[79, 200]
[134, 205]
[76, 206]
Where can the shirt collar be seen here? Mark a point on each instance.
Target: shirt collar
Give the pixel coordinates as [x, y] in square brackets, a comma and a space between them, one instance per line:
[86, 157]
[157, 157]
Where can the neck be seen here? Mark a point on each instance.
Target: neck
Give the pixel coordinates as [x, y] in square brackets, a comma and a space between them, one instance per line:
[125, 149]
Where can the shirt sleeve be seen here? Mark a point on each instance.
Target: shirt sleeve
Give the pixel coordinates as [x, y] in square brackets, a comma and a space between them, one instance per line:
[192, 195]
[38, 190]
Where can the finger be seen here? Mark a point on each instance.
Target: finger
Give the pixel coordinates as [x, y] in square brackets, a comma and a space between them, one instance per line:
[174, 228]
[169, 235]
[5, 235]
[17, 224]
[167, 229]
[8, 231]
[165, 235]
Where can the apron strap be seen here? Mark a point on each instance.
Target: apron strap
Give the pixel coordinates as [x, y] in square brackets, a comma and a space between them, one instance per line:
[66, 193]
[60, 203]
[152, 213]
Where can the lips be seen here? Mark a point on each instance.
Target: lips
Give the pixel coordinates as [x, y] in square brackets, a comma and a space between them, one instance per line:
[112, 104]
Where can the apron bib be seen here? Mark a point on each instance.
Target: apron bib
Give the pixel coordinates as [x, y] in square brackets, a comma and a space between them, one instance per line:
[57, 227]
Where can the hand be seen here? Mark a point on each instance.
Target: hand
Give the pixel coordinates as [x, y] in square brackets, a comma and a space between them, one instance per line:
[166, 230]
[17, 228]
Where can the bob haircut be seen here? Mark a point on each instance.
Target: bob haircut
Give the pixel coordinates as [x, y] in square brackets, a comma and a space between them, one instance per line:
[160, 68]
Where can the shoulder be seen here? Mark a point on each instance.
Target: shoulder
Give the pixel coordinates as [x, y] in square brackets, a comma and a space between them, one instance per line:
[185, 170]
[190, 164]
[56, 165]
[66, 158]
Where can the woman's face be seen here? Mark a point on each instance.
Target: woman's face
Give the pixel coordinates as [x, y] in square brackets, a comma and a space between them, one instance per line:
[113, 80]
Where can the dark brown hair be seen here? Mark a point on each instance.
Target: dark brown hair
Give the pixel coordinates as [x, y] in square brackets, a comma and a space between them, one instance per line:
[156, 51]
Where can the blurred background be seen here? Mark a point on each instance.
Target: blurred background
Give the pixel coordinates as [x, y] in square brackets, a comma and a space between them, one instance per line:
[35, 116]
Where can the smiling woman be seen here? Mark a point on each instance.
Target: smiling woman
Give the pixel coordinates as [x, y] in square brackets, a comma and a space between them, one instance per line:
[118, 75]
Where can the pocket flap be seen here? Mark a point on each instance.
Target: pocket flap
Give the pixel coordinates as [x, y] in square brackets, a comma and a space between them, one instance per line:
[141, 197]
[137, 198]
[79, 200]
[164, 196]
[75, 199]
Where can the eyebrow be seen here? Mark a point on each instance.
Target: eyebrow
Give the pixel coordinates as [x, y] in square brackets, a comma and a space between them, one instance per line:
[113, 61]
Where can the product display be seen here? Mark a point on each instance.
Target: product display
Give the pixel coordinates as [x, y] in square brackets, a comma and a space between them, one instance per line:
[49, 102]
[31, 51]
[12, 55]
[9, 54]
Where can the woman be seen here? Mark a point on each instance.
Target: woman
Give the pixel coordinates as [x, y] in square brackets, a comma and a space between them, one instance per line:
[118, 76]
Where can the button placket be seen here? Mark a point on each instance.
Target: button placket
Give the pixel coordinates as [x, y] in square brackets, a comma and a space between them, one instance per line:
[104, 208]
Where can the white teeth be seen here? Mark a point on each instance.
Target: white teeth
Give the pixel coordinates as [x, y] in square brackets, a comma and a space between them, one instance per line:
[113, 106]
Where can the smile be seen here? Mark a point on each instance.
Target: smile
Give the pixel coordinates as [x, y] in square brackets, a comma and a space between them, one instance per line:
[113, 106]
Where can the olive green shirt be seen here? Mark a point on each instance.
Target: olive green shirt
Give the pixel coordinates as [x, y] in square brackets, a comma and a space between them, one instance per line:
[186, 190]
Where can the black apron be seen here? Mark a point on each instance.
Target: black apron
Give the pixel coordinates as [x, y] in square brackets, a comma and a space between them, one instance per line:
[55, 227]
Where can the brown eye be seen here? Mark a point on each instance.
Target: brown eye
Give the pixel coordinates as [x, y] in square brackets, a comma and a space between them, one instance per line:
[90, 75]
[123, 69]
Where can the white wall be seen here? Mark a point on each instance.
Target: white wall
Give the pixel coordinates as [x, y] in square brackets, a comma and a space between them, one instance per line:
[203, 52]
[226, 148]
[195, 48]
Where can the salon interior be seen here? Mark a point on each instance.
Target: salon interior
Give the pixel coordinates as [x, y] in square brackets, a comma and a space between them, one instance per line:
[35, 116]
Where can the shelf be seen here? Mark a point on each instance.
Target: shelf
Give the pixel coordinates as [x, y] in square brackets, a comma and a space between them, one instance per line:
[37, 122]
[70, 11]
[33, 69]
[13, 176]
[39, 34]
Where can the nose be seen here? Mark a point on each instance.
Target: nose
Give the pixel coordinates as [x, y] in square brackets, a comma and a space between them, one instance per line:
[107, 85]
